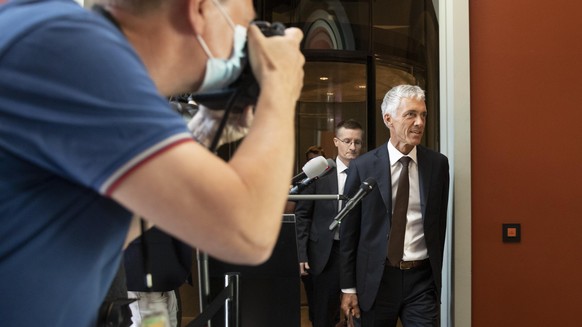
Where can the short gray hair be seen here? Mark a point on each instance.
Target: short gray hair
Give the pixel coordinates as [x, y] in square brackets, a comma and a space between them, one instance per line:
[137, 6]
[396, 94]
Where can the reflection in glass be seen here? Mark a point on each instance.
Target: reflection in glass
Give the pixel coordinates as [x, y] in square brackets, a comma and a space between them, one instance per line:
[332, 92]
[357, 51]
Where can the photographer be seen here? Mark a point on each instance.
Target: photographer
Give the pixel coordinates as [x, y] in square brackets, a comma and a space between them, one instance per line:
[87, 138]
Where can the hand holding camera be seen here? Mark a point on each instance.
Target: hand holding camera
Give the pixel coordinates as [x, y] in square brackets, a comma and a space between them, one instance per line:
[277, 62]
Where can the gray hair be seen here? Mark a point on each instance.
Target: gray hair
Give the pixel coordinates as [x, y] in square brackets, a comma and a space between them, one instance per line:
[396, 94]
[137, 6]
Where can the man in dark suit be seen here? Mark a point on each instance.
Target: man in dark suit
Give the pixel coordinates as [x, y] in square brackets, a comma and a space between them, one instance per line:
[318, 247]
[375, 288]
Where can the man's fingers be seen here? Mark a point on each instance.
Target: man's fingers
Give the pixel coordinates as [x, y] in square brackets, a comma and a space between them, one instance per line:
[349, 305]
[294, 33]
[356, 312]
[302, 268]
[254, 33]
[346, 305]
[348, 312]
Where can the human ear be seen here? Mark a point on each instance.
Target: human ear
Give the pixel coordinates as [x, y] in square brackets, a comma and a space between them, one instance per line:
[387, 120]
[197, 15]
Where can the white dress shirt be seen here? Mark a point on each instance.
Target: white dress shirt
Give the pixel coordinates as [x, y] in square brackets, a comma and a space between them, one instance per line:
[414, 242]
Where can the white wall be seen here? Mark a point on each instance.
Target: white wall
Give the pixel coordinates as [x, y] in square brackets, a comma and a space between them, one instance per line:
[456, 144]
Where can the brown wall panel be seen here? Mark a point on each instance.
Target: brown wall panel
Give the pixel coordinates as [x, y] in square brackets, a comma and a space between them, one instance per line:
[526, 71]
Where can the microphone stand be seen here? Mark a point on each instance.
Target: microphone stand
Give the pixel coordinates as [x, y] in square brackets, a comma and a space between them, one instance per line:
[338, 220]
[202, 258]
[299, 197]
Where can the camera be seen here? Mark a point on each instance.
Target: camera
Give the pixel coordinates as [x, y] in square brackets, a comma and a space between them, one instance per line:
[245, 90]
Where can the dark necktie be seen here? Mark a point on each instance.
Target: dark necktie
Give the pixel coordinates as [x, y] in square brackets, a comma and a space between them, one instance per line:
[396, 241]
[341, 204]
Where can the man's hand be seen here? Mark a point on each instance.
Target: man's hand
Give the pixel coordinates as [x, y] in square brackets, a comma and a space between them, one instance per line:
[205, 123]
[350, 305]
[277, 61]
[303, 267]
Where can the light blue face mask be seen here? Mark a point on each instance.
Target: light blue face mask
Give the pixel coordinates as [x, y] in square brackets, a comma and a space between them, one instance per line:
[222, 72]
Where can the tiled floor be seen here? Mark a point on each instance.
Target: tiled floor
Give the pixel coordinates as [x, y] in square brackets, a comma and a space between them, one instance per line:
[304, 318]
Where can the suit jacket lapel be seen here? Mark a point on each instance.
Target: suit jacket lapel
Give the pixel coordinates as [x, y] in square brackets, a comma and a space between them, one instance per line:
[333, 187]
[384, 179]
[424, 175]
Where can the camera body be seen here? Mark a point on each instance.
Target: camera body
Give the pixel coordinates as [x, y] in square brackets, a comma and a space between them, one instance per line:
[245, 90]
[269, 29]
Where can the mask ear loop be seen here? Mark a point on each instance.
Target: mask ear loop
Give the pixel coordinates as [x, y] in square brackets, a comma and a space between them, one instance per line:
[204, 46]
[201, 41]
[224, 13]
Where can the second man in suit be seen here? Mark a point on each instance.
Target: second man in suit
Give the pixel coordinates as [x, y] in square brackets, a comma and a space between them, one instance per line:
[318, 246]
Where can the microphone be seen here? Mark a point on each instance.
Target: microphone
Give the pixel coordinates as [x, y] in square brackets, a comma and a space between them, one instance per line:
[311, 169]
[307, 181]
[365, 188]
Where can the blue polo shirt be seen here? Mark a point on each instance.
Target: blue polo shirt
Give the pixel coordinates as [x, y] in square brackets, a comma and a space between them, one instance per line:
[78, 112]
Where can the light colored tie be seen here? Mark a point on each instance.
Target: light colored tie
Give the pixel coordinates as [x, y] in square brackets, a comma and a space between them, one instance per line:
[398, 227]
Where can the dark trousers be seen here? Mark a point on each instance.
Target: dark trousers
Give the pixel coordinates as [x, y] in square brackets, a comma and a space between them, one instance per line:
[408, 294]
[327, 292]
[308, 286]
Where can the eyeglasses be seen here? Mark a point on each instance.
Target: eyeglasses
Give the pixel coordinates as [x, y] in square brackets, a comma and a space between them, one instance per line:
[349, 142]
